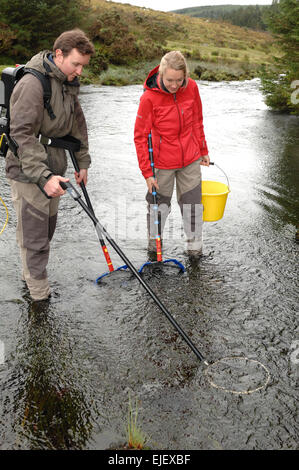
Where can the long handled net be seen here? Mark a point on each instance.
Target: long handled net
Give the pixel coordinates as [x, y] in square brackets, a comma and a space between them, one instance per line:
[238, 375]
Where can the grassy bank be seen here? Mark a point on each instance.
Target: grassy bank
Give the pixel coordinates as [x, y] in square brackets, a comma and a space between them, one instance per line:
[214, 50]
[136, 73]
[130, 41]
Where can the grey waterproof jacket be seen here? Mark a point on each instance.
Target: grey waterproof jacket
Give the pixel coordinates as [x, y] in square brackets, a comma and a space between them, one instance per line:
[29, 118]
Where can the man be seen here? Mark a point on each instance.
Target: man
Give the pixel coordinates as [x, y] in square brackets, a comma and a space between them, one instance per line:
[38, 167]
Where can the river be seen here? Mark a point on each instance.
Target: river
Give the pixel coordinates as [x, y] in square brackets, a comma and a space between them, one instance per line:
[67, 373]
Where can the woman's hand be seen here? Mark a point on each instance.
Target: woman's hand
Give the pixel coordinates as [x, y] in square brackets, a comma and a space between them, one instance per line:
[151, 181]
[205, 160]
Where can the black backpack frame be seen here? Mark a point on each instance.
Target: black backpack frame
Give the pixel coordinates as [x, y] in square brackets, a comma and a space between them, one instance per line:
[9, 78]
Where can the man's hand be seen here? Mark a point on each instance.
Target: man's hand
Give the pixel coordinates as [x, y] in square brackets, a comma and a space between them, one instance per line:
[82, 176]
[53, 188]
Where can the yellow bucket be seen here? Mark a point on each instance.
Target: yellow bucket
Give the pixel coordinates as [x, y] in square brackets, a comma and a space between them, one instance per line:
[214, 196]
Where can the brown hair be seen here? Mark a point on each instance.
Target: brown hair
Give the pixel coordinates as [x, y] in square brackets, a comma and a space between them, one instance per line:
[73, 39]
[176, 61]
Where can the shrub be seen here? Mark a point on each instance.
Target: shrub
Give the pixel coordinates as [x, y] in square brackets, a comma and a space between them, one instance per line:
[98, 63]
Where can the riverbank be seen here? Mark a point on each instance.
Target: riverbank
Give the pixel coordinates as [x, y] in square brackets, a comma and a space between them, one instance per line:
[135, 74]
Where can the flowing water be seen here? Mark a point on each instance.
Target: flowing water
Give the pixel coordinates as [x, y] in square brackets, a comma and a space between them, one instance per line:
[67, 371]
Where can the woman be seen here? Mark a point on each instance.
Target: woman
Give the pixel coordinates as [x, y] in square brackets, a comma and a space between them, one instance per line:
[170, 108]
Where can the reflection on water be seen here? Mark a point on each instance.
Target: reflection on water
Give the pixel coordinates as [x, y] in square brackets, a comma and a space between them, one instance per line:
[49, 403]
[69, 369]
[278, 189]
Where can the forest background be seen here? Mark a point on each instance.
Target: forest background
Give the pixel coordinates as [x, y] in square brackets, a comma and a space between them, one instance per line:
[263, 41]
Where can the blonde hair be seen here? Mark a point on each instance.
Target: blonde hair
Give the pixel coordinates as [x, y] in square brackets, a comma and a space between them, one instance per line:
[176, 61]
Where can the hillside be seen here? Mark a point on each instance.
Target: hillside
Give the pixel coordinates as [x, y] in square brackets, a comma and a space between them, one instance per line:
[134, 36]
[131, 40]
[250, 16]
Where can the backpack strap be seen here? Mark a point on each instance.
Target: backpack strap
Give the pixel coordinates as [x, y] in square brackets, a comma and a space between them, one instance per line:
[46, 84]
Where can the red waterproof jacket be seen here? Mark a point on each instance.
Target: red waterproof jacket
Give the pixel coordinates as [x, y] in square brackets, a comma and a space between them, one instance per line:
[175, 121]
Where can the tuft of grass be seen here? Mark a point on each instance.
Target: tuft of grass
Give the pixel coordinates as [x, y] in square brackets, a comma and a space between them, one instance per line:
[136, 438]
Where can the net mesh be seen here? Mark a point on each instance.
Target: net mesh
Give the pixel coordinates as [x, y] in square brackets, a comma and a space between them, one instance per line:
[166, 268]
[239, 375]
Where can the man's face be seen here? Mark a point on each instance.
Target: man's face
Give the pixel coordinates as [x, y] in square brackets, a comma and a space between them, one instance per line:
[72, 64]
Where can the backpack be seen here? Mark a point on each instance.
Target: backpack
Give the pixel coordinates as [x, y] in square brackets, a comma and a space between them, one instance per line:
[9, 77]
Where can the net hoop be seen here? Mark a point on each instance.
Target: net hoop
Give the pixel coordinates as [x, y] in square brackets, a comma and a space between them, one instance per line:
[171, 263]
[237, 392]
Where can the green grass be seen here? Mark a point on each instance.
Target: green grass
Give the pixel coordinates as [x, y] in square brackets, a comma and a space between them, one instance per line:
[136, 438]
[212, 44]
[224, 52]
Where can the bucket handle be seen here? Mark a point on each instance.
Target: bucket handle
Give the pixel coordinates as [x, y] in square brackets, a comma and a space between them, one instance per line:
[215, 164]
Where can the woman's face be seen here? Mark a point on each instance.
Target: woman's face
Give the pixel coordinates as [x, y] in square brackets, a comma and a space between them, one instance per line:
[173, 79]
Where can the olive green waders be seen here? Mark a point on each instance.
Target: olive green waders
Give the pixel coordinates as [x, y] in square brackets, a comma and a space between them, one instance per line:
[36, 222]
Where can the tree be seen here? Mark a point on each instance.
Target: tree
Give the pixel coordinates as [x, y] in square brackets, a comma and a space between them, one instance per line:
[279, 84]
[34, 24]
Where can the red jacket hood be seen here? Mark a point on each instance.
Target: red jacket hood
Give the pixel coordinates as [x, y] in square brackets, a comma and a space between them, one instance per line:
[151, 82]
